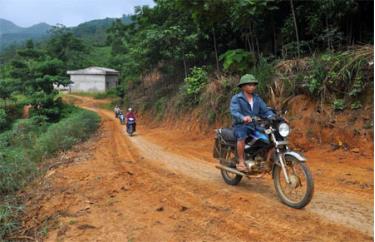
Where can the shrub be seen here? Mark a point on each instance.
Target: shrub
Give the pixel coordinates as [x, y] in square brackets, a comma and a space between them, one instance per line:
[238, 60]
[65, 133]
[264, 72]
[317, 74]
[194, 83]
[339, 104]
[160, 107]
[356, 105]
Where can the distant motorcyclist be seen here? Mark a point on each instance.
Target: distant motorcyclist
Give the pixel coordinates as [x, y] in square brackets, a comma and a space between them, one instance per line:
[117, 110]
[130, 115]
[243, 106]
[121, 117]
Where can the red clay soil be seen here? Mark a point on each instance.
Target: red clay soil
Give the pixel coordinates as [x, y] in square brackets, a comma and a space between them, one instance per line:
[161, 185]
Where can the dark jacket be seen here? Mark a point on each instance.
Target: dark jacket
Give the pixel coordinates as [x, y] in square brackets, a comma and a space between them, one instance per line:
[240, 107]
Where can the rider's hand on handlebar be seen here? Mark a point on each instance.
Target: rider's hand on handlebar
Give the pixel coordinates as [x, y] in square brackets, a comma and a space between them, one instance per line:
[247, 119]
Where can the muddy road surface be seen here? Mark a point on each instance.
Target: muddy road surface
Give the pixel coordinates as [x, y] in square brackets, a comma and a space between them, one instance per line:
[161, 185]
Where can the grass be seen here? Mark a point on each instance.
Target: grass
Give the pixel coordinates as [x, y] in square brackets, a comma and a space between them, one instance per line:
[98, 95]
[8, 215]
[86, 94]
[107, 106]
[26, 144]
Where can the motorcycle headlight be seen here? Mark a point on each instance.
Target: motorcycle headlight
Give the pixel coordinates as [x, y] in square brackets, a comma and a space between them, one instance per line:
[284, 129]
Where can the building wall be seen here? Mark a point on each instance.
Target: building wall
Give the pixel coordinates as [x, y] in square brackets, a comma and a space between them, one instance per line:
[88, 83]
[111, 81]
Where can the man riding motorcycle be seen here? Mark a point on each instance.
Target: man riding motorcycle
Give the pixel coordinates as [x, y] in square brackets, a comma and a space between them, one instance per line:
[117, 110]
[243, 107]
[130, 114]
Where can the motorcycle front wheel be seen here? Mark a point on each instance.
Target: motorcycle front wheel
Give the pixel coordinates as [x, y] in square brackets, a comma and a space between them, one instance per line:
[299, 192]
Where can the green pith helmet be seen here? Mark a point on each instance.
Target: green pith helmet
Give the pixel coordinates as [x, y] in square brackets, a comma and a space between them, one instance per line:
[246, 79]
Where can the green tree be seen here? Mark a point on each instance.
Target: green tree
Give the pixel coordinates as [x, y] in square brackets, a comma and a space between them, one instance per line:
[64, 46]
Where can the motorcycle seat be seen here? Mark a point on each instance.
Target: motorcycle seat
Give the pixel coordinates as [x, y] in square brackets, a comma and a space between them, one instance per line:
[227, 134]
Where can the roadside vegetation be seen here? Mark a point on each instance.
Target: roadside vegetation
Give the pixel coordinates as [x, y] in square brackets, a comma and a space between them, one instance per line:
[26, 144]
[34, 121]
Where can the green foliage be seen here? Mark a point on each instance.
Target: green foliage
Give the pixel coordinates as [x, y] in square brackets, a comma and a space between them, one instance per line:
[316, 75]
[113, 92]
[211, 117]
[64, 46]
[160, 106]
[238, 60]
[17, 169]
[332, 75]
[3, 119]
[195, 82]
[356, 105]
[62, 135]
[6, 90]
[27, 143]
[339, 104]
[34, 71]
[264, 72]
[98, 56]
[8, 217]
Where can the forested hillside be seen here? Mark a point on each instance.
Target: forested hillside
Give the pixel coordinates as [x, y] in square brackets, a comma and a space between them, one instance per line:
[182, 56]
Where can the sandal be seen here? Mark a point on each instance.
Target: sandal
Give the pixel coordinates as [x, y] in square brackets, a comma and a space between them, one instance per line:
[241, 167]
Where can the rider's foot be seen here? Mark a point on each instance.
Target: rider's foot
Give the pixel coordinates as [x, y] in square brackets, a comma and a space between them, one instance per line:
[241, 167]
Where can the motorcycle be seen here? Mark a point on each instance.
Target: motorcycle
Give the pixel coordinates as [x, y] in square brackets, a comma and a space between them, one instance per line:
[130, 126]
[117, 112]
[122, 118]
[291, 175]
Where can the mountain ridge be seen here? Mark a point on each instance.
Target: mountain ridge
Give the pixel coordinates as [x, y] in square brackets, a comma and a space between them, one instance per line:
[93, 30]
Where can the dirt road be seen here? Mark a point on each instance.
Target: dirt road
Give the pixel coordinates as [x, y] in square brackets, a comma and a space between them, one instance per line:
[161, 185]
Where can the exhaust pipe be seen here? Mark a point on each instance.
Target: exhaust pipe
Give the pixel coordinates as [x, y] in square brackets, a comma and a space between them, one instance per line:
[221, 167]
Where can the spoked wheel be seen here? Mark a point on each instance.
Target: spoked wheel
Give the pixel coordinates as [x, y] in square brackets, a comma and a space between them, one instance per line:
[299, 192]
[229, 177]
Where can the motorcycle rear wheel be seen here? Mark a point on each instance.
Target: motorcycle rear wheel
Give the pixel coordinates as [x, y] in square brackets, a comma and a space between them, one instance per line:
[300, 192]
[229, 177]
[130, 131]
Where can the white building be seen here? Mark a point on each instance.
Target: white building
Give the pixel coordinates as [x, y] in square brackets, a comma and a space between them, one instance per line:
[93, 79]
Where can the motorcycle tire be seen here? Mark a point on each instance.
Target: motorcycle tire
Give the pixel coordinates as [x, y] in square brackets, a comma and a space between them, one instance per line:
[277, 173]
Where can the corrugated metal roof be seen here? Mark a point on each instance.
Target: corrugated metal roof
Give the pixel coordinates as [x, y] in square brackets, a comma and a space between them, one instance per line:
[93, 70]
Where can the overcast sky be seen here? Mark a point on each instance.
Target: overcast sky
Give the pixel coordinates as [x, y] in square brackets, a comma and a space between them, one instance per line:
[67, 12]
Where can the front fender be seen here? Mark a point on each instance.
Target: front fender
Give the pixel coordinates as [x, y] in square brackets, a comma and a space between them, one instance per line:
[295, 155]
[289, 153]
